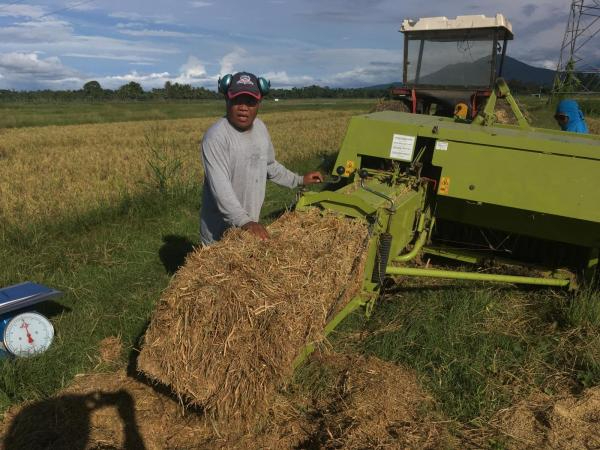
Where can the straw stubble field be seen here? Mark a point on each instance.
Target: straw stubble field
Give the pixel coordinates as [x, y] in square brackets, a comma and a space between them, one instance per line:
[55, 172]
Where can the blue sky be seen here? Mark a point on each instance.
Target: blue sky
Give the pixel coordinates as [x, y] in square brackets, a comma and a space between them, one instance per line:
[61, 45]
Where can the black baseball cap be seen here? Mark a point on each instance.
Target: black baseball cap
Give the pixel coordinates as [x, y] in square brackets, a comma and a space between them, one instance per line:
[244, 83]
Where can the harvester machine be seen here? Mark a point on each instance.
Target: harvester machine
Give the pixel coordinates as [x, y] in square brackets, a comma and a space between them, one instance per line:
[476, 192]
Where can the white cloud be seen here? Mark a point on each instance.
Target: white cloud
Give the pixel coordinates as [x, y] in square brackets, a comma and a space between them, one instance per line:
[193, 68]
[545, 63]
[130, 25]
[200, 4]
[146, 18]
[94, 47]
[158, 33]
[232, 60]
[364, 76]
[59, 38]
[118, 46]
[28, 67]
[29, 11]
[79, 6]
[132, 59]
[158, 80]
[352, 56]
[192, 72]
[134, 76]
[46, 31]
[282, 80]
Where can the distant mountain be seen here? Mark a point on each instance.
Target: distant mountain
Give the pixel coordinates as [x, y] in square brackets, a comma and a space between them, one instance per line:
[385, 86]
[516, 70]
[466, 74]
[469, 74]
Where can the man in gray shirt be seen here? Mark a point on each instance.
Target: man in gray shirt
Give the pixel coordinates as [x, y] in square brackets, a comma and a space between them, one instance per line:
[238, 158]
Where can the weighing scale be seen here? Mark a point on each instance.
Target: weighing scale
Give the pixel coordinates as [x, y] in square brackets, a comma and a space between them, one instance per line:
[24, 332]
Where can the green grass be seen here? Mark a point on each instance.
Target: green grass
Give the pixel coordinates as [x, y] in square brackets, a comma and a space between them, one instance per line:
[111, 276]
[43, 114]
[478, 348]
[590, 106]
[14, 115]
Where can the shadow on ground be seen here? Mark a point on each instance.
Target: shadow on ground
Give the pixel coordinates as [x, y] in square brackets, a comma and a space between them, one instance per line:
[174, 250]
[64, 422]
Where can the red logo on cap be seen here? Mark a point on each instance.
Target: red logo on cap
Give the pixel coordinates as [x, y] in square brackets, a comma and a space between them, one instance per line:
[245, 79]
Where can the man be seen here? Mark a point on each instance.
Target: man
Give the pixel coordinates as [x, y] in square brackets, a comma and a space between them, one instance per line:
[570, 118]
[238, 158]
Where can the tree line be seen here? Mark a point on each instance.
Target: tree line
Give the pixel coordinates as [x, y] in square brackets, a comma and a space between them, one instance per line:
[92, 91]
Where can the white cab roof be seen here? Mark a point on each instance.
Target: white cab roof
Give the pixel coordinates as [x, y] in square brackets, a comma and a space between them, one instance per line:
[460, 23]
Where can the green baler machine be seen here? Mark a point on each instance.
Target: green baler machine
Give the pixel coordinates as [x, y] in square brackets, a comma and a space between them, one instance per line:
[513, 191]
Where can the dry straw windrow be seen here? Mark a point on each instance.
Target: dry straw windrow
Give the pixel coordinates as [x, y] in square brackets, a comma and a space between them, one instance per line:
[594, 125]
[234, 317]
[68, 171]
[370, 404]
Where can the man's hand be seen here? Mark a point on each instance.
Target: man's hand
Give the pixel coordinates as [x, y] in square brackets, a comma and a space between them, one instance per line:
[312, 177]
[256, 229]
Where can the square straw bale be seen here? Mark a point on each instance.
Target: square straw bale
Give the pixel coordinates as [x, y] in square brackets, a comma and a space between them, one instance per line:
[227, 329]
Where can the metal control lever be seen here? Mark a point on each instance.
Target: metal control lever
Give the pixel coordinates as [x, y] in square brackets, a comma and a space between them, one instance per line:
[340, 170]
[363, 174]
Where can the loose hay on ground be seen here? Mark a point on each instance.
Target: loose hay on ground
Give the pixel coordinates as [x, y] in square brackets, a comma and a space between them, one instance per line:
[560, 422]
[226, 331]
[110, 349]
[505, 115]
[368, 403]
[114, 411]
[594, 125]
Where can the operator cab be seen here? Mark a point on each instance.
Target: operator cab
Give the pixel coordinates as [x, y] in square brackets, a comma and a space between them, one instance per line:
[451, 65]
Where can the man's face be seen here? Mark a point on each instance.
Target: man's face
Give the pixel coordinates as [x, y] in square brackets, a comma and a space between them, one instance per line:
[562, 119]
[242, 110]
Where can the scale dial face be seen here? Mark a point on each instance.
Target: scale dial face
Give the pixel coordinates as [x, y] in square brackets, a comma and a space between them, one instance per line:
[28, 334]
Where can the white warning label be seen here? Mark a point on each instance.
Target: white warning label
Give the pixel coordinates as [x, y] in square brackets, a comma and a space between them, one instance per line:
[441, 145]
[402, 147]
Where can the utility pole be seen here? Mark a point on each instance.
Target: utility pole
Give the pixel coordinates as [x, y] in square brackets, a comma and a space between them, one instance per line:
[578, 69]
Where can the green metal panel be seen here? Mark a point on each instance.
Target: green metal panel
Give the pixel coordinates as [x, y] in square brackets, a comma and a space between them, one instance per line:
[402, 225]
[537, 182]
[372, 135]
[528, 223]
[533, 181]
[350, 200]
[534, 139]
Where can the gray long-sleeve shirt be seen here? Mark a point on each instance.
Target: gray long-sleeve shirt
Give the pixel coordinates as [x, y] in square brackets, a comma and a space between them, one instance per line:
[236, 167]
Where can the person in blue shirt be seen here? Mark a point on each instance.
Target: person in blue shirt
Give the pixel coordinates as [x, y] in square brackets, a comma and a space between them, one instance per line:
[570, 118]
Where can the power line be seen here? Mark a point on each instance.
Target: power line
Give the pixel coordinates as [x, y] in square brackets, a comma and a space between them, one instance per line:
[65, 9]
[574, 69]
[52, 12]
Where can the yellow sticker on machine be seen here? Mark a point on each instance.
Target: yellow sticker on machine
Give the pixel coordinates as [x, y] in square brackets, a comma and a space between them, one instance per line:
[444, 186]
[349, 167]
